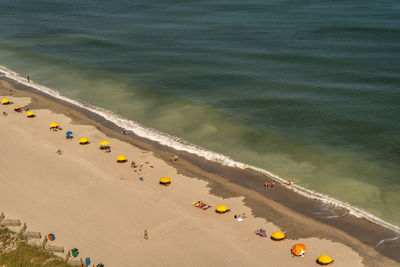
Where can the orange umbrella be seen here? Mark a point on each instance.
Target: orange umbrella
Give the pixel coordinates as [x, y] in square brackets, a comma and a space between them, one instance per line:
[299, 249]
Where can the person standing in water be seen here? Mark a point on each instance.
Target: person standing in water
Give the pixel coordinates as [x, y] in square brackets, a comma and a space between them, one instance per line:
[28, 78]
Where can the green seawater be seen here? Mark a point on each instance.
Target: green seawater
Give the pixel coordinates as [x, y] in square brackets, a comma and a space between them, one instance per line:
[308, 90]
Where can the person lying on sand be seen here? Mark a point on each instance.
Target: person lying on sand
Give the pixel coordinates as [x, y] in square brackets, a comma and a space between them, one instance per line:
[5, 113]
[196, 204]
[59, 152]
[240, 218]
[261, 233]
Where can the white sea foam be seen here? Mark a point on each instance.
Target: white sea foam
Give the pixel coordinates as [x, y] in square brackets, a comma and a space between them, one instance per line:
[388, 240]
[180, 144]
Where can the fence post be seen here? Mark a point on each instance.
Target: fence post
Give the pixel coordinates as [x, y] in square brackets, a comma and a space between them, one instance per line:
[23, 229]
[44, 242]
[67, 256]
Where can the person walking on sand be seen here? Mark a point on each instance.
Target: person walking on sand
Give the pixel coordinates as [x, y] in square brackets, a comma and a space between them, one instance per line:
[272, 184]
[10, 92]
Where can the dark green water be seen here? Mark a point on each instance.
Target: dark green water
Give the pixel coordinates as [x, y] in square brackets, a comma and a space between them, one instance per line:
[306, 89]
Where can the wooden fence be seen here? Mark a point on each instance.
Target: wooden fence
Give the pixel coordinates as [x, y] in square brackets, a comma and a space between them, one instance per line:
[38, 236]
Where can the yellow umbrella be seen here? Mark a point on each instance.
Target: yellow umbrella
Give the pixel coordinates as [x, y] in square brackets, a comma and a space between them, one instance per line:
[5, 101]
[165, 180]
[324, 260]
[277, 236]
[121, 158]
[83, 141]
[104, 143]
[30, 114]
[53, 125]
[221, 209]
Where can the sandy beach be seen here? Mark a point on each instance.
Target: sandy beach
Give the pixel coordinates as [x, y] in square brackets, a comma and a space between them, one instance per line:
[93, 203]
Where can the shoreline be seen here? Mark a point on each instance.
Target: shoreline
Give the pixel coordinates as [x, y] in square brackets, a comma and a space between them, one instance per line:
[156, 138]
[292, 212]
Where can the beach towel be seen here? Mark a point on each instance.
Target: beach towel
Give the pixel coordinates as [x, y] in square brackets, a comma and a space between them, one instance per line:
[201, 205]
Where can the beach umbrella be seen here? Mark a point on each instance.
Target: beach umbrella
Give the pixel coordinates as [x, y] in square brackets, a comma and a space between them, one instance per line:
[83, 141]
[5, 101]
[68, 133]
[299, 249]
[30, 114]
[221, 209]
[324, 260]
[87, 260]
[121, 159]
[104, 143]
[51, 237]
[277, 236]
[165, 181]
[17, 108]
[53, 125]
[75, 252]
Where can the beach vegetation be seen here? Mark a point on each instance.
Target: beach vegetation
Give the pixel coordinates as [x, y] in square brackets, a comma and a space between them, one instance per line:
[16, 252]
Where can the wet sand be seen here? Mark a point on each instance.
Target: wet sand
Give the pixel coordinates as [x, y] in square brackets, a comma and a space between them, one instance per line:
[298, 216]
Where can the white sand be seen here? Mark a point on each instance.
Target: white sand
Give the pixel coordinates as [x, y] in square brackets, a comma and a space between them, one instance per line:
[101, 207]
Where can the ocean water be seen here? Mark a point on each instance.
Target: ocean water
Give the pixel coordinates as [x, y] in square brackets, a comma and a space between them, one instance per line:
[309, 90]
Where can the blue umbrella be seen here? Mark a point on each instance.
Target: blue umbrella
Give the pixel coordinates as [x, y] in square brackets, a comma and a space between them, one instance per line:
[68, 133]
[87, 261]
